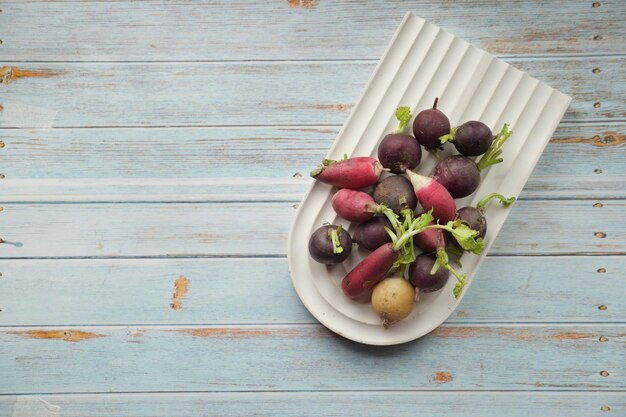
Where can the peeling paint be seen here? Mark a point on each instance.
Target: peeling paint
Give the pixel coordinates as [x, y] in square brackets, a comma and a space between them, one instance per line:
[10, 74]
[509, 333]
[66, 335]
[443, 377]
[571, 336]
[307, 4]
[181, 287]
[248, 333]
[603, 140]
[135, 335]
[223, 333]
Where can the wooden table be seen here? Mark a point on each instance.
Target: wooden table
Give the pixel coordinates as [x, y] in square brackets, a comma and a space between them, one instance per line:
[153, 153]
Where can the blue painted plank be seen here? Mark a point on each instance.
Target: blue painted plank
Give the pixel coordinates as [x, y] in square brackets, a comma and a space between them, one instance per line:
[304, 29]
[141, 291]
[248, 93]
[327, 404]
[243, 156]
[218, 229]
[309, 357]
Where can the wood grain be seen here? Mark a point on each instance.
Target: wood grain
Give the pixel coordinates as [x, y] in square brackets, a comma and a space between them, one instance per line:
[257, 93]
[245, 229]
[139, 291]
[255, 358]
[184, 30]
[330, 404]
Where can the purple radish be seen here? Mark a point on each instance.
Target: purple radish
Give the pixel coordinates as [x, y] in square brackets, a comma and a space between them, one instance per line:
[475, 219]
[420, 274]
[356, 172]
[330, 244]
[458, 174]
[472, 138]
[371, 235]
[433, 196]
[429, 125]
[399, 151]
[396, 192]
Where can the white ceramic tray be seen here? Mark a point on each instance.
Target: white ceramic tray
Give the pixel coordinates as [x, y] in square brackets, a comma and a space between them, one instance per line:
[423, 62]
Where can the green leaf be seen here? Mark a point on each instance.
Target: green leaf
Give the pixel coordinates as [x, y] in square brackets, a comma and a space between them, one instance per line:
[403, 114]
[449, 137]
[458, 287]
[334, 236]
[422, 221]
[465, 236]
[492, 156]
[503, 200]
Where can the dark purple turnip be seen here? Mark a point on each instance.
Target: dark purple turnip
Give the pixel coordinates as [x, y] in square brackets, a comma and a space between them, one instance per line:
[474, 219]
[399, 151]
[474, 216]
[330, 245]
[420, 274]
[371, 235]
[429, 125]
[396, 192]
[458, 174]
[472, 138]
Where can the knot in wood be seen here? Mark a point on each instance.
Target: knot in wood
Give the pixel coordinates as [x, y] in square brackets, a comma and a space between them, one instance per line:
[6, 75]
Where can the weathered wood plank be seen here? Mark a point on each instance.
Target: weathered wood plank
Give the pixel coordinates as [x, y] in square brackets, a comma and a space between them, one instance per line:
[175, 160]
[163, 190]
[142, 291]
[260, 189]
[218, 229]
[160, 30]
[247, 93]
[275, 358]
[326, 404]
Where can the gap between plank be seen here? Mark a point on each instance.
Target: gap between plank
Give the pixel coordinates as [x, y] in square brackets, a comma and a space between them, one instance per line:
[512, 57]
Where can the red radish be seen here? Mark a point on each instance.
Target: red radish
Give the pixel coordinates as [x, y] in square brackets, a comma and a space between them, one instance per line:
[432, 240]
[370, 271]
[356, 206]
[433, 196]
[356, 172]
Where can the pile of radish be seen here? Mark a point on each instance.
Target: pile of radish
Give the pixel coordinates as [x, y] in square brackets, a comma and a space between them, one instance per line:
[406, 211]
